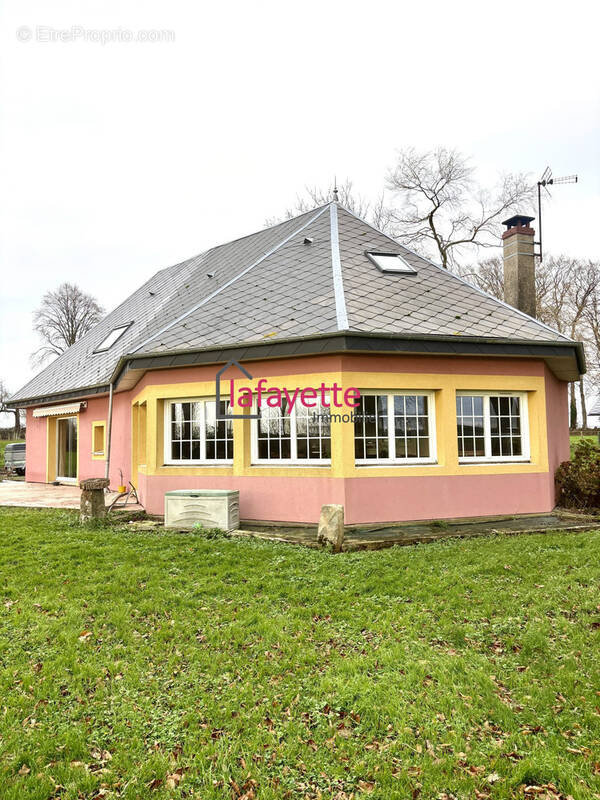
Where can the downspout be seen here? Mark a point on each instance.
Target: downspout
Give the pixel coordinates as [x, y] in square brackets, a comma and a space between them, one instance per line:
[109, 431]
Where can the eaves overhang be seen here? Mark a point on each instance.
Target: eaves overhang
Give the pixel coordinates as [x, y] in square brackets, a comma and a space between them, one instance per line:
[565, 359]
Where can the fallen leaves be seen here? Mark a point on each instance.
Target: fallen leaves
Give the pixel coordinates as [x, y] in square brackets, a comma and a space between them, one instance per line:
[545, 791]
[84, 636]
[174, 779]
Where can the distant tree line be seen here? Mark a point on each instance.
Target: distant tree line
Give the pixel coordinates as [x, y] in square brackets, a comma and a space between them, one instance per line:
[433, 203]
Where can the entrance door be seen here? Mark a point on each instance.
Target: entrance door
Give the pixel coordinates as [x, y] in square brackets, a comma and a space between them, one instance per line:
[66, 465]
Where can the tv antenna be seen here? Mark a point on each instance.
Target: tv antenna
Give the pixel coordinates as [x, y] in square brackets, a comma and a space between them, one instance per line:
[546, 180]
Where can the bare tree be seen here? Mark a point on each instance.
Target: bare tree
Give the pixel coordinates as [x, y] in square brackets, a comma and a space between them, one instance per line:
[443, 211]
[377, 213]
[567, 299]
[6, 409]
[64, 316]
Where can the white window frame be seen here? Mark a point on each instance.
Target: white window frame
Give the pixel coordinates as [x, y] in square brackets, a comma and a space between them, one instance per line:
[181, 462]
[385, 262]
[293, 460]
[119, 330]
[392, 460]
[488, 458]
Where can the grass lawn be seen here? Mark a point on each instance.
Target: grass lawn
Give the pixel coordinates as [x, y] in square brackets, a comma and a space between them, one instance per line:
[145, 665]
[3, 443]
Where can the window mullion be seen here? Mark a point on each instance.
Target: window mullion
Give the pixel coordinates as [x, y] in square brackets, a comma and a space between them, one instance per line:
[293, 441]
[391, 437]
[203, 430]
[487, 427]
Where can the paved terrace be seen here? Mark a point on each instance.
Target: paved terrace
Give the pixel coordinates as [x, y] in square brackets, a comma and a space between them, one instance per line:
[45, 495]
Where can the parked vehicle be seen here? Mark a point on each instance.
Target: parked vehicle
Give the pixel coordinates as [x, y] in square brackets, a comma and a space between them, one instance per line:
[14, 457]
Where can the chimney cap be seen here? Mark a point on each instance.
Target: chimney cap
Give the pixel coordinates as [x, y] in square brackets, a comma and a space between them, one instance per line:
[518, 221]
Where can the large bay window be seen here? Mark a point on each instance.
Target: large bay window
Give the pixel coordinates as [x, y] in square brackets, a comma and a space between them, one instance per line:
[395, 428]
[194, 435]
[299, 434]
[492, 427]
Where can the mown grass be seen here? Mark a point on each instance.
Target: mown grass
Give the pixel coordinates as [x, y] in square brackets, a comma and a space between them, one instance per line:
[145, 665]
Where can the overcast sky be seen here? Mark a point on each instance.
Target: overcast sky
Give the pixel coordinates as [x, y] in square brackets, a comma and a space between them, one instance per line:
[123, 157]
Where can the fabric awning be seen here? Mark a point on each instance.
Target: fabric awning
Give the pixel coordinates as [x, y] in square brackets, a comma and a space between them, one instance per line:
[56, 411]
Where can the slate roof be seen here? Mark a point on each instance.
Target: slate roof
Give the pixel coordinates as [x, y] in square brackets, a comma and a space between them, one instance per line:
[275, 285]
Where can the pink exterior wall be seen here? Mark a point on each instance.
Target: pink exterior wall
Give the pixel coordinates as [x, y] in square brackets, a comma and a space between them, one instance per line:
[97, 410]
[277, 498]
[120, 451]
[299, 499]
[557, 411]
[445, 497]
[35, 448]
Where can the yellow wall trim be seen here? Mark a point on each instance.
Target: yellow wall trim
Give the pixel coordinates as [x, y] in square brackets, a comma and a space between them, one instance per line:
[444, 387]
[100, 454]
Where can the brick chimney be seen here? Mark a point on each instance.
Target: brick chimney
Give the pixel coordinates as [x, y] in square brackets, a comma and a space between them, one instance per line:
[519, 264]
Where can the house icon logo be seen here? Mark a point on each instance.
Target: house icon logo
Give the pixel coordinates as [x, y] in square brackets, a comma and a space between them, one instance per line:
[232, 363]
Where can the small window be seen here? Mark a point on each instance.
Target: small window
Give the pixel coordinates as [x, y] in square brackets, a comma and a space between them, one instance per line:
[391, 262]
[292, 435]
[397, 428]
[98, 439]
[492, 427]
[112, 337]
[193, 434]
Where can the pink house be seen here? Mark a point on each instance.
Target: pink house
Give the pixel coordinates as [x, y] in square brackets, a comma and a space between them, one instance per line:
[370, 377]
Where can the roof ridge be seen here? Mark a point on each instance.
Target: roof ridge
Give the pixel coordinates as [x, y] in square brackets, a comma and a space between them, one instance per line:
[459, 278]
[228, 283]
[341, 311]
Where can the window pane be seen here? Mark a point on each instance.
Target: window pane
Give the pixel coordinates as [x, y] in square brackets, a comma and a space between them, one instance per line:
[371, 427]
[310, 424]
[359, 448]
[411, 426]
[274, 430]
[383, 448]
[411, 447]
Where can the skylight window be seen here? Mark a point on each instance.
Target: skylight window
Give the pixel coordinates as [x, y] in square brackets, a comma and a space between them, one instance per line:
[391, 262]
[112, 337]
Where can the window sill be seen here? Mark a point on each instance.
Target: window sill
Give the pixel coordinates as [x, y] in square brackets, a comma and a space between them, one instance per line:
[197, 464]
[478, 462]
[383, 464]
[282, 463]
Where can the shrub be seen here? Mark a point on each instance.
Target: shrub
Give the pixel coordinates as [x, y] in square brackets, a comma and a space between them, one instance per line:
[578, 480]
[211, 533]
